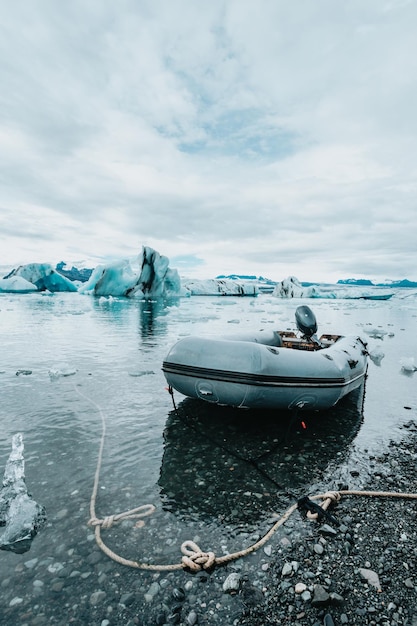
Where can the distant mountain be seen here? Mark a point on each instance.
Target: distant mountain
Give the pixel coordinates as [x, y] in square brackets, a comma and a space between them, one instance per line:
[400, 283]
[360, 282]
[368, 283]
[260, 279]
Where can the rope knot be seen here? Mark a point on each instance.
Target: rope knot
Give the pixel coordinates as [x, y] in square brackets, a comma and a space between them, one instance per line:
[109, 520]
[195, 559]
[334, 496]
[106, 522]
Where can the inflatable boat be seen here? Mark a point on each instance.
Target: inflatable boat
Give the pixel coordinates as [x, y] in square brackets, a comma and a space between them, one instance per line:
[269, 369]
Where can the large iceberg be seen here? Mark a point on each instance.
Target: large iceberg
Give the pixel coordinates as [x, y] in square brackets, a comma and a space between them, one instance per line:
[21, 516]
[43, 277]
[151, 278]
[219, 287]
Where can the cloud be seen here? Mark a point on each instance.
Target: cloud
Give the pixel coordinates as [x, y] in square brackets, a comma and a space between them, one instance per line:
[274, 139]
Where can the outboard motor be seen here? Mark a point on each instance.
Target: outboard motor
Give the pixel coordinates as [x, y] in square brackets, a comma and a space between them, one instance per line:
[306, 323]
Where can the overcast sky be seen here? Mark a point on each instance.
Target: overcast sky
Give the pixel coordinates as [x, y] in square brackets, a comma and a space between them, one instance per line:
[266, 137]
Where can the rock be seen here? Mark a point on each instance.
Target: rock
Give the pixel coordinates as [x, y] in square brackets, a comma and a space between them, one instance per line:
[127, 599]
[192, 618]
[320, 596]
[251, 595]
[97, 597]
[336, 598]
[286, 570]
[300, 587]
[327, 530]
[371, 577]
[152, 591]
[232, 583]
[178, 594]
[318, 548]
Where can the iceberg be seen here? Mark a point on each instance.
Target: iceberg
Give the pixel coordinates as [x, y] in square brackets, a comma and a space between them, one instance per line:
[291, 288]
[152, 278]
[16, 284]
[21, 516]
[219, 287]
[43, 277]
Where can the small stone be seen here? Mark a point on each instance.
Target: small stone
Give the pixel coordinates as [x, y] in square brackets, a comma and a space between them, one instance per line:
[327, 530]
[300, 587]
[318, 548]
[409, 583]
[127, 599]
[268, 550]
[15, 601]
[232, 583]
[286, 570]
[178, 594]
[336, 598]
[371, 577]
[320, 596]
[54, 568]
[191, 618]
[152, 591]
[97, 597]
[306, 596]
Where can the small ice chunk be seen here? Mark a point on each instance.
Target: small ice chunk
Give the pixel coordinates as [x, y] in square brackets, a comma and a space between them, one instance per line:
[408, 364]
[61, 369]
[376, 355]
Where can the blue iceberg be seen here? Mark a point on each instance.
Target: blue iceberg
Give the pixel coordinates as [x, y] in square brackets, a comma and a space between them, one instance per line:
[43, 277]
[149, 276]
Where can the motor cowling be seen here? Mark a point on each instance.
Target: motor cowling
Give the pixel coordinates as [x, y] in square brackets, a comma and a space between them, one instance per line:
[306, 321]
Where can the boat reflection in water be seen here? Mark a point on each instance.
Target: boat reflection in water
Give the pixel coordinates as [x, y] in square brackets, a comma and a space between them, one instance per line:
[240, 466]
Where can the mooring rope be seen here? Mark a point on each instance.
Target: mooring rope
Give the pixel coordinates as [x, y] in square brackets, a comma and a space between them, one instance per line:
[193, 557]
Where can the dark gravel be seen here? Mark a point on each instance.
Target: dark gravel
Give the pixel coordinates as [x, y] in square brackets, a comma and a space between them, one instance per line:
[376, 538]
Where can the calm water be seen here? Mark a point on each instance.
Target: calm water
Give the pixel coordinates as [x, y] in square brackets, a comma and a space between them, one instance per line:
[211, 472]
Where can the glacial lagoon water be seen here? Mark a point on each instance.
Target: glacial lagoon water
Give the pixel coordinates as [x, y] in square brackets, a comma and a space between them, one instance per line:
[215, 475]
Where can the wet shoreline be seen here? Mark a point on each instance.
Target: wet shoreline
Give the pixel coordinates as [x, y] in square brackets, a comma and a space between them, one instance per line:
[309, 573]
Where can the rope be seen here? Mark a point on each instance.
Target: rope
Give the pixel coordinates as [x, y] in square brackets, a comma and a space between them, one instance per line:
[193, 557]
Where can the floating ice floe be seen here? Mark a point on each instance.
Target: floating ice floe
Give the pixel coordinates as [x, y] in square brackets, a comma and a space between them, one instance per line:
[376, 355]
[61, 369]
[375, 333]
[149, 276]
[20, 515]
[408, 364]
